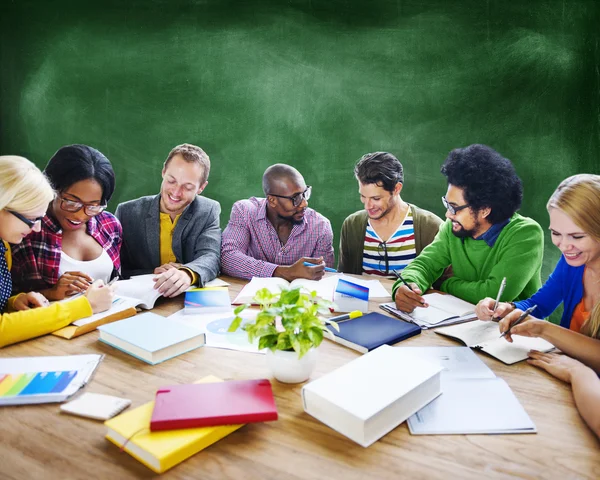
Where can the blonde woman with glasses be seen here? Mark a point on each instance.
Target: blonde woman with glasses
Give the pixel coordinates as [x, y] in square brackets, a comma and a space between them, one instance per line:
[574, 210]
[24, 197]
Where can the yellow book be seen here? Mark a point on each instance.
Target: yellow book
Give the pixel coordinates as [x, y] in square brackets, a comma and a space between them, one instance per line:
[160, 451]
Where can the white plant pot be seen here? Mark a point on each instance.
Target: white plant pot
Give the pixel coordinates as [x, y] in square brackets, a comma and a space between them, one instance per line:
[288, 368]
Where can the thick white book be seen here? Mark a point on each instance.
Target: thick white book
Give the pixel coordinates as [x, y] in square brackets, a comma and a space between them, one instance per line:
[474, 400]
[370, 396]
[485, 336]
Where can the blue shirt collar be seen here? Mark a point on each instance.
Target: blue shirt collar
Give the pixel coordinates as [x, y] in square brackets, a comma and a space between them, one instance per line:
[493, 233]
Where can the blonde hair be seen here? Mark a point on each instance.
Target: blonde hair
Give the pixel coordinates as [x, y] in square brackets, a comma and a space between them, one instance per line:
[22, 186]
[192, 154]
[579, 198]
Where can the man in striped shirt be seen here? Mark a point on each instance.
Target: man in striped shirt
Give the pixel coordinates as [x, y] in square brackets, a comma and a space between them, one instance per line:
[389, 233]
[275, 236]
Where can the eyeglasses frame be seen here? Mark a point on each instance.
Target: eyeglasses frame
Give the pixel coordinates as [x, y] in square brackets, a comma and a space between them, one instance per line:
[25, 220]
[451, 208]
[83, 205]
[300, 195]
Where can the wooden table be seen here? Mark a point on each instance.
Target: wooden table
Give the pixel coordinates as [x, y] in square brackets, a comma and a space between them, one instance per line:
[39, 442]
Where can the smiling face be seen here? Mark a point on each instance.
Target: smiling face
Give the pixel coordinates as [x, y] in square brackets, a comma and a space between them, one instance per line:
[578, 247]
[465, 222]
[88, 192]
[180, 185]
[377, 200]
[14, 230]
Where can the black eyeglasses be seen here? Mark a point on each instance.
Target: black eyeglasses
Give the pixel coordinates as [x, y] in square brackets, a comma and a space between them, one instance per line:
[74, 206]
[298, 197]
[25, 220]
[451, 208]
[383, 257]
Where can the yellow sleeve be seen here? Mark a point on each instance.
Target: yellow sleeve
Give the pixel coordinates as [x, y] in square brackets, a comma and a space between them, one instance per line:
[26, 324]
[193, 274]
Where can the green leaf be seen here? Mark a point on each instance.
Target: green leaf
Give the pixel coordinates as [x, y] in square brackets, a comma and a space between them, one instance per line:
[268, 341]
[264, 297]
[235, 324]
[315, 335]
[241, 308]
[283, 342]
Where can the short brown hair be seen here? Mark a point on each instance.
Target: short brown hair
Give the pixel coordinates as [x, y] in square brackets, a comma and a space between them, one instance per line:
[191, 153]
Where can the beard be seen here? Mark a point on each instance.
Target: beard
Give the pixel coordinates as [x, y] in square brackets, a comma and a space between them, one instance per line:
[464, 233]
[291, 218]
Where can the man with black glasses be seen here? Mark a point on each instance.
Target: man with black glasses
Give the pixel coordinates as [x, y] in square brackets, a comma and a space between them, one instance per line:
[277, 236]
[389, 233]
[483, 239]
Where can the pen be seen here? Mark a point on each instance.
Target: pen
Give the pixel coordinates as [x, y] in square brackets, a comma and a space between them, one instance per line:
[399, 275]
[346, 316]
[327, 269]
[520, 319]
[502, 286]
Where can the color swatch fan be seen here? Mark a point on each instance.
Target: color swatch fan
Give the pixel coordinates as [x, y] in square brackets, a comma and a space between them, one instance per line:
[44, 379]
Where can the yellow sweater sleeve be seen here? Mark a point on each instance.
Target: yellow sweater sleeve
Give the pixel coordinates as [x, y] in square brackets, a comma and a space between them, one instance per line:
[26, 324]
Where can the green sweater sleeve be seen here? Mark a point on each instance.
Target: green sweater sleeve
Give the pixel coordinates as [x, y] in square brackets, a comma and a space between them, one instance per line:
[431, 262]
[518, 258]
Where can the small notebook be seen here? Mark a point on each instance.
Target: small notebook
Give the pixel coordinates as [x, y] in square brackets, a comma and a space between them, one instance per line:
[370, 331]
[213, 404]
[96, 406]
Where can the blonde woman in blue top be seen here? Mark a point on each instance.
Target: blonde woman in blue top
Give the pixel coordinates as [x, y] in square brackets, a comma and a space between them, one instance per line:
[574, 210]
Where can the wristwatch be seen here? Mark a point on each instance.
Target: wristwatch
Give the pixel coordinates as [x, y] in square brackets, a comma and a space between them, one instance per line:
[513, 305]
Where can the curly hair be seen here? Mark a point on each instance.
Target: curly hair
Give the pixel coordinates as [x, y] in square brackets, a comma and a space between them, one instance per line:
[487, 179]
[380, 168]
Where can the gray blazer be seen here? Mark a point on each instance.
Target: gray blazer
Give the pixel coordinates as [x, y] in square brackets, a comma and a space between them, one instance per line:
[196, 238]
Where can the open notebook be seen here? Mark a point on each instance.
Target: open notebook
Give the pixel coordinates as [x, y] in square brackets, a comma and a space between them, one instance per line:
[325, 287]
[485, 336]
[442, 310]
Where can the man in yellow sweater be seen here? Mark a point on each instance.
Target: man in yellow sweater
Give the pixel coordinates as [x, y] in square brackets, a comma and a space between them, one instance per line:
[175, 234]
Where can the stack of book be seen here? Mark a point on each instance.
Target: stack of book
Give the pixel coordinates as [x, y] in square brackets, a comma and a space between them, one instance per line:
[185, 419]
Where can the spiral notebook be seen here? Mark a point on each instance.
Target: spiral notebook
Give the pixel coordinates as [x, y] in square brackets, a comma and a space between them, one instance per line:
[96, 406]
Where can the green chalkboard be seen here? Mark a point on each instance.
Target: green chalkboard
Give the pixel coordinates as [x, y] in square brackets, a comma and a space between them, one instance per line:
[313, 84]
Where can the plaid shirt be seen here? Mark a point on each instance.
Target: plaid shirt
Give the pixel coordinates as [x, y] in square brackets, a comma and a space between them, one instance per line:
[251, 246]
[36, 260]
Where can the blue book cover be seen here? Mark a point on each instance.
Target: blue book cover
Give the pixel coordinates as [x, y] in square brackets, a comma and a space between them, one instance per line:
[211, 299]
[372, 330]
[150, 332]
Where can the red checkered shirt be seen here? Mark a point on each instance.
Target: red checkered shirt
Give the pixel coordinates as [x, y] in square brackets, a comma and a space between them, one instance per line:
[37, 258]
[251, 247]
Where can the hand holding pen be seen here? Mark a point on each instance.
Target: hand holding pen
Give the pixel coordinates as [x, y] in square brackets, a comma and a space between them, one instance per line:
[408, 296]
[507, 324]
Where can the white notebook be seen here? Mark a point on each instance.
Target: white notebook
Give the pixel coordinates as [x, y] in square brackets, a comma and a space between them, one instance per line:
[473, 399]
[96, 406]
[485, 336]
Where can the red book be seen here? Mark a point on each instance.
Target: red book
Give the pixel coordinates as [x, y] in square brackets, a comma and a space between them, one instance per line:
[210, 404]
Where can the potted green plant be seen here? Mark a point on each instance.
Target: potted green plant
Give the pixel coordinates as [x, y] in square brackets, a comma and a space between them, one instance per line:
[291, 326]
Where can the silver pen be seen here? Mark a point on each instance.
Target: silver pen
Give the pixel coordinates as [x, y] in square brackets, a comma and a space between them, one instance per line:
[502, 286]
[523, 316]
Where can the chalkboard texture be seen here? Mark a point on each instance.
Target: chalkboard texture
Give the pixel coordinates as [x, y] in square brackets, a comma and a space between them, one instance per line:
[313, 84]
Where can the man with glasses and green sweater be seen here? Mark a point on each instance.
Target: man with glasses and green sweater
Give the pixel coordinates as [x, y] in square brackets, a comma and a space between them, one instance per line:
[277, 236]
[483, 239]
